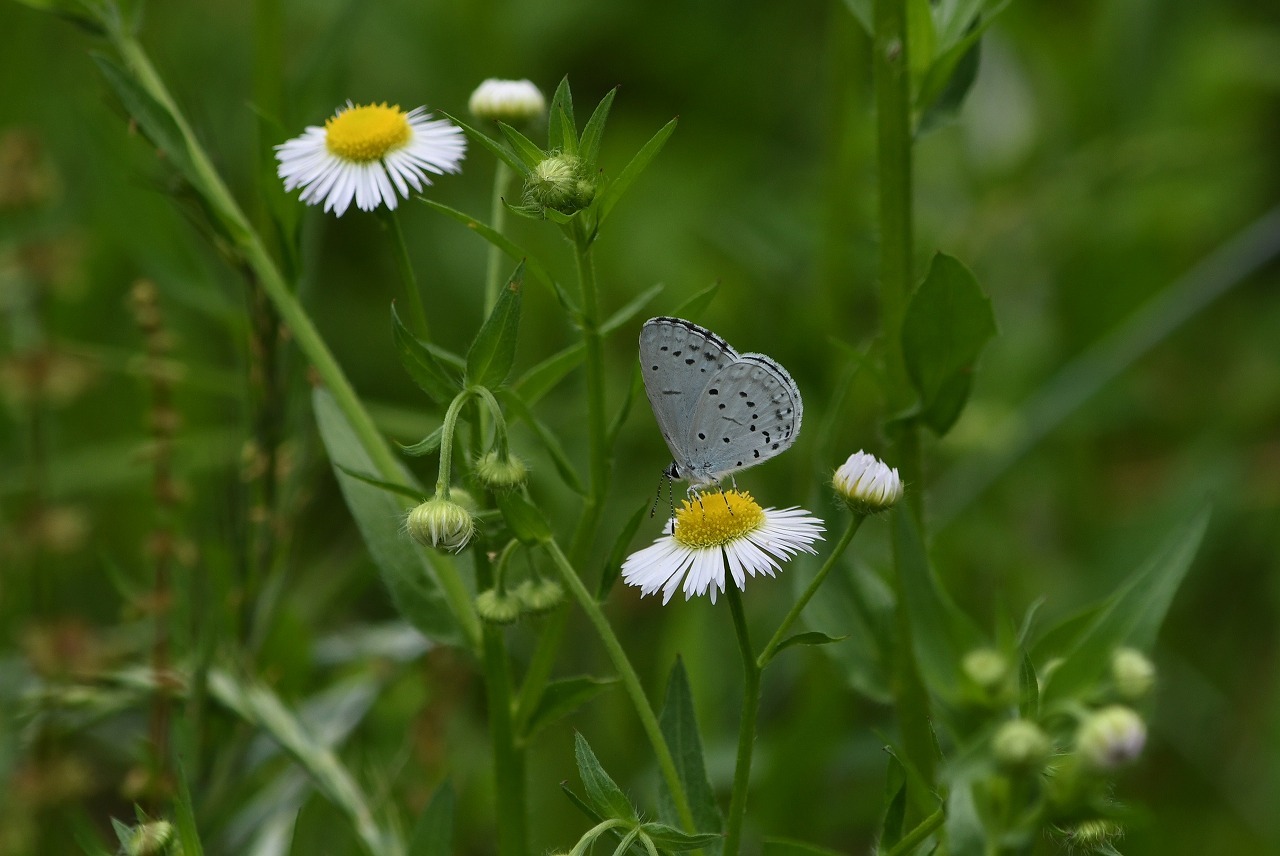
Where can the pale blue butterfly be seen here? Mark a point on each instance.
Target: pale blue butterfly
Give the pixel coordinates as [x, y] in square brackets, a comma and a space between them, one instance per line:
[719, 411]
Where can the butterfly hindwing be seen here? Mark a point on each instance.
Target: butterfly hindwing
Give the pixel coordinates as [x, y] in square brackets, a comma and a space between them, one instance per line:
[750, 411]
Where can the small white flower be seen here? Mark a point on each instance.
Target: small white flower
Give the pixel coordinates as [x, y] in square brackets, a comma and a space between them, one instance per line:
[715, 530]
[369, 153]
[867, 484]
[510, 101]
[1112, 737]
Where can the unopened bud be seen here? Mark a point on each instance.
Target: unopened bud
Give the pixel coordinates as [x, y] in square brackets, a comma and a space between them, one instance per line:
[866, 484]
[497, 607]
[1111, 738]
[539, 596]
[1133, 673]
[441, 523]
[1020, 744]
[515, 102]
[559, 182]
[986, 667]
[149, 839]
[499, 472]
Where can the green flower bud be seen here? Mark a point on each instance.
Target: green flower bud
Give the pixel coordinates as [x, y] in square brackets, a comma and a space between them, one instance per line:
[1091, 835]
[986, 667]
[149, 839]
[1111, 738]
[1133, 673]
[497, 607]
[501, 473]
[539, 596]
[1020, 744]
[441, 523]
[559, 182]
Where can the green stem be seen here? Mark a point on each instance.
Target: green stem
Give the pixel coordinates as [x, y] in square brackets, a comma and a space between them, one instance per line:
[291, 311]
[913, 838]
[597, 437]
[497, 219]
[746, 729]
[446, 440]
[798, 607]
[630, 681]
[404, 267]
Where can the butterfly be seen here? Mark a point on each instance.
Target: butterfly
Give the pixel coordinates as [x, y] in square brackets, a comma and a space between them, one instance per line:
[718, 410]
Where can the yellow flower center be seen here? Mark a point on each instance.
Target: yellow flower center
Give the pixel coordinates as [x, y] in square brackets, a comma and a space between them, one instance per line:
[715, 519]
[367, 132]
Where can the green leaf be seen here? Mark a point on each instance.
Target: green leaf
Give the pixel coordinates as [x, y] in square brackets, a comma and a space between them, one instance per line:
[433, 833]
[669, 838]
[895, 812]
[942, 633]
[922, 38]
[526, 522]
[679, 727]
[492, 353]
[620, 418]
[965, 833]
[1133, 615]
[410, 493]
[185, 818]
[406, 568]
[602, 792]
[1028, 689]
[426, 446]
[698, 302]
[500, 151]
[562, 131]
[524, 147]
[539, 380]
[614, 190]
[946, 324]
[630, 310]
[589, 149]
[561, 698]
[153, 119]
[863, 12]
[431, 377]
[497, 239]
[860, 604]
[549, 441]
[812, 637]
[939, 106]
[618, 553]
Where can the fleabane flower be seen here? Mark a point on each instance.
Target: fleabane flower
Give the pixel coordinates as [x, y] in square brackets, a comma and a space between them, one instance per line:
[867, 484]
[717, 530]
[512, 101]
[369, 153]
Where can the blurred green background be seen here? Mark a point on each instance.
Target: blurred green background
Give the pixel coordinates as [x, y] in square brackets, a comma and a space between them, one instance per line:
[1105, 151]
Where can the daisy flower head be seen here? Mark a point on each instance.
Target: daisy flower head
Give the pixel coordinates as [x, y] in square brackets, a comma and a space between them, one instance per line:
[369, 153]
[719, 530]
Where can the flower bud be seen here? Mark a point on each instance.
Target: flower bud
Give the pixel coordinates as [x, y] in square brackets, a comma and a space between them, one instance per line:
[1111, 737]
[1133, 673]
[559, 182]
[148, 839]
[1020, 744]
[1092, 835]
[441, 523]
[867, 484]
[515, 102]
[498, 472]
[986, 667]
[497, 607]
[539, 596]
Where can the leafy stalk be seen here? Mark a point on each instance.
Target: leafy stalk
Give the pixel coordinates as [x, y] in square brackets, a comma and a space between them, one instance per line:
[746, 728]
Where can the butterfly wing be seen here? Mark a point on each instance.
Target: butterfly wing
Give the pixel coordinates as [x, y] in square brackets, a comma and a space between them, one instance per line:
[747, 413]
[677, 358]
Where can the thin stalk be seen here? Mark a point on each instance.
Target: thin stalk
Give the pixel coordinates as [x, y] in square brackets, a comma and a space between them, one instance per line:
[630, 681]
[446, 440]
[508, 758]
[292, 313]
[497, 220]
[404, 267]
[913, 838]
[747, 727]
[597, 432]
[798, 607]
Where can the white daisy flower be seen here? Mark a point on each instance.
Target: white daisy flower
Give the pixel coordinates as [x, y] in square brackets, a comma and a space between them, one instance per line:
[510, 101]
[718, 530]
[867, 484]
[368, 153]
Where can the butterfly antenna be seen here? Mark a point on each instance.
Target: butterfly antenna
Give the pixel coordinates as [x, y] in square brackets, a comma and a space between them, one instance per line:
[657, 496]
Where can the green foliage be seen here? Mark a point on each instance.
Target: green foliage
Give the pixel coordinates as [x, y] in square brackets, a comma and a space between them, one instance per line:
[680, 730]
[433, 833]
[604, 795]
[493, 351]
[421, 364]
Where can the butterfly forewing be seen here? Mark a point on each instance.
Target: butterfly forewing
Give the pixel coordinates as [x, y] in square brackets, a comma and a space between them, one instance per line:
[748, 412]
[678, 358]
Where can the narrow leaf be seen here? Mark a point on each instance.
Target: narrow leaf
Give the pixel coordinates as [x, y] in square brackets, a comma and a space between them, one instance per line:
[1028, 689]
[549, 441]
[185, 818]
[699, 301]
[406, 568]
[539, 380]
[494, 350]
[525, 148]
[561, 698]
[526, 522]
[589, 148]
[1133, 615]
[562, 132]
[426, 446]
[499, 151]
[602, 792]
[679, 727]
[422, 366]
[618, 553]
[614, 190]
[966, 835]
[406, 491]
[812, 637]
[946, 324]
[433, 834]
[630, 310]
[152, 118]
[669, 838]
